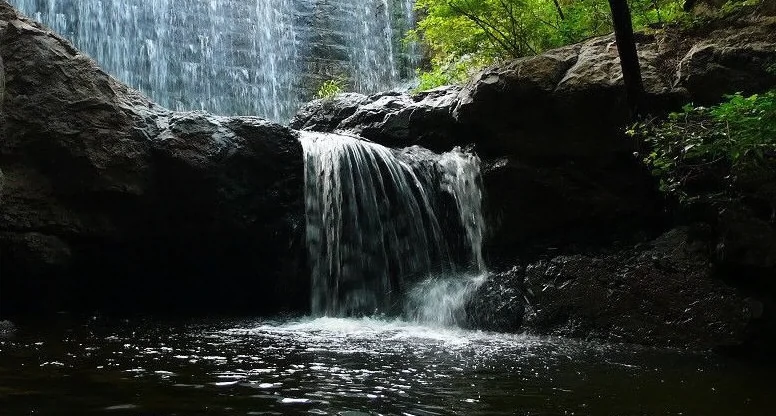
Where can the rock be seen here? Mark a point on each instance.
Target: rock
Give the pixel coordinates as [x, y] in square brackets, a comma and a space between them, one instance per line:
[111, 202]
[7, 329]
[661, 293]
[392, 119]
[327, 113]
[498, 304]
[565, 203]
[2, 82]
[746, 242]
[739, 64]
[665, 292]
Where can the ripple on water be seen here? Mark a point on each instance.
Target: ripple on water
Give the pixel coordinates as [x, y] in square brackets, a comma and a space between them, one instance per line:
[362, 366]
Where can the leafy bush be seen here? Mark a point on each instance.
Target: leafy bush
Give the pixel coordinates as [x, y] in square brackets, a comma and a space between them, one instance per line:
[700, 151]
[329, 89]
[456, 72]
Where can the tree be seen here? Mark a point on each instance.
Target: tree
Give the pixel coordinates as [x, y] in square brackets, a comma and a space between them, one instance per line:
[629, 57]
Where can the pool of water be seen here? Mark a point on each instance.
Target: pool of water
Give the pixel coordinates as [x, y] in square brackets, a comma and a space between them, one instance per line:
[355, 367]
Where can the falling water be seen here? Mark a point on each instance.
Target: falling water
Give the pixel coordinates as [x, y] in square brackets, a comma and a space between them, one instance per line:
[231, 57]
[378, 220]
[366, 43]
[460, 178]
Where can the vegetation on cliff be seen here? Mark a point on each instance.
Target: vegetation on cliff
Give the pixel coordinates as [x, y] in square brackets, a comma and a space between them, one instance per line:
[330, 89]
[719, 154]
[715, 154]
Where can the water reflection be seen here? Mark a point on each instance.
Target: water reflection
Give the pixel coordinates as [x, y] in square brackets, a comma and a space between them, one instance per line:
[355, 366]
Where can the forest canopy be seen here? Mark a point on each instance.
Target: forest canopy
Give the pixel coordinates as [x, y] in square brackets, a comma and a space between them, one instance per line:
[465, 35]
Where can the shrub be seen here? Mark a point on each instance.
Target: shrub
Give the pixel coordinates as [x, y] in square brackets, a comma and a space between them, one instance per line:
[455, 72]
[704, 153]
[329, 89]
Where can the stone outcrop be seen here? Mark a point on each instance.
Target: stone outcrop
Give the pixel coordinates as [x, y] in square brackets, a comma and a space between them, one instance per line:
[110, 201]
[663, 292]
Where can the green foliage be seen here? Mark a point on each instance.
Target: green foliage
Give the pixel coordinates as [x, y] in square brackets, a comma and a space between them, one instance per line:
[701, 146]
[700, 19]
[732, 6]
[465, 35]
[451, 72]
[771, 69]
[329, 89]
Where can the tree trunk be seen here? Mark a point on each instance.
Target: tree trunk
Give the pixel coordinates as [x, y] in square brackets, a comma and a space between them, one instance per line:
[629, 58]
[559, 9]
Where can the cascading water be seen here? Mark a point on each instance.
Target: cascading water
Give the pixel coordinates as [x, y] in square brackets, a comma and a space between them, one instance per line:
[380, 221]
[234, 57]
[366, 43]
[229, 57]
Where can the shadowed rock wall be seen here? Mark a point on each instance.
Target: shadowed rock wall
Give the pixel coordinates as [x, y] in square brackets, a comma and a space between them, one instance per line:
[111, 202]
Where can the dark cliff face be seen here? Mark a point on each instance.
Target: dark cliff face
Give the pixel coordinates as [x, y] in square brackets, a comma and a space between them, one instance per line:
[111, 202]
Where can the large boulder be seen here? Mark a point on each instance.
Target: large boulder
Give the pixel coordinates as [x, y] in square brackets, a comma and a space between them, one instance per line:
[661, 292]
[112, 202]
[392, 119]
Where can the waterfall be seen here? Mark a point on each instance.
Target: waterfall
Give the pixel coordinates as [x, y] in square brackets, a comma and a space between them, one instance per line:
[380, 220]
[234, 57]
[372, 45]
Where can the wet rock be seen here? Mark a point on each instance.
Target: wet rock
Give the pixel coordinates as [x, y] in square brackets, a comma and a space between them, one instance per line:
[327, 113]
[7, 329]
[112, 202]
[660, 293]
[392, 119]
[498, 304]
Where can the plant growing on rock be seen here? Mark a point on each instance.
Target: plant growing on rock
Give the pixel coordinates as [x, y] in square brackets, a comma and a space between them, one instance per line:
[716, 154]
[329, 89]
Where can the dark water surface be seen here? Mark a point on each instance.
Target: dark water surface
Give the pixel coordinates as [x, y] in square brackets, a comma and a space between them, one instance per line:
[356, 367]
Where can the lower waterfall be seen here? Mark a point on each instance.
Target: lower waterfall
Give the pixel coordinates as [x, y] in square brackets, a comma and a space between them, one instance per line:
[384, 225]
